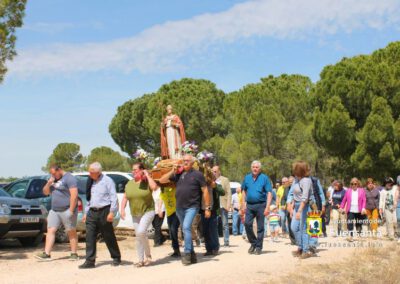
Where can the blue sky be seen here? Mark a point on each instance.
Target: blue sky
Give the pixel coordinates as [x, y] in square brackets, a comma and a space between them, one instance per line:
[79, 60]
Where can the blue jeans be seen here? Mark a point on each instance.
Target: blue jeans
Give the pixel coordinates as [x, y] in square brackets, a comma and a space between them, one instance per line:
[210, 232]
[255, 211]
[225, 225]
[283, 214]
[299, 228]
[173, 225]
[237, 226]
[186, 216]
[266, 222]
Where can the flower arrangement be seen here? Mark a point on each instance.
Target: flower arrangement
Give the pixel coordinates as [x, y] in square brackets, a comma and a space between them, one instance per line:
[189, 147]
[205, 156]
[141, 154]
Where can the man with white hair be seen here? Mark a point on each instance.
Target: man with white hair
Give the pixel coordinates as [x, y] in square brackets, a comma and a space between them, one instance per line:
[191, 188]
[257, 196]
[101, 207]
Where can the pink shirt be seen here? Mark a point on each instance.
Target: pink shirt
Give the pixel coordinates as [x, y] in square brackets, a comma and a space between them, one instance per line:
[346, 202]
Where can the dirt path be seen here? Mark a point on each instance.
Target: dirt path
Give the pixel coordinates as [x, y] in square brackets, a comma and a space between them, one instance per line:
[233, 265]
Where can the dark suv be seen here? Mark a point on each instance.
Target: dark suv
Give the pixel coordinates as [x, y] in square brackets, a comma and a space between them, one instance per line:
[22, 219]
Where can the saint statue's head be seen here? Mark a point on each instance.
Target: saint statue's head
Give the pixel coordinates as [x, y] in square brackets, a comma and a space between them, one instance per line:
[169, 109]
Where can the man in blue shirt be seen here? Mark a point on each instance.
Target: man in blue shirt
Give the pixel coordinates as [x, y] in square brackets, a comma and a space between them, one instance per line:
[257, 193]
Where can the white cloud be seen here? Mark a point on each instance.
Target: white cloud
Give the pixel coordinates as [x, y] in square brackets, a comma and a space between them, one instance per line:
[160, 48]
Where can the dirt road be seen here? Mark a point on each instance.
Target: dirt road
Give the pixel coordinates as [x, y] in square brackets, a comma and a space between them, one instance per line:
[233, 265]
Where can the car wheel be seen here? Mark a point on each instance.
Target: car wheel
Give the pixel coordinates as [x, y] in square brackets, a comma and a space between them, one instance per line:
[31, 241]
[61, 235]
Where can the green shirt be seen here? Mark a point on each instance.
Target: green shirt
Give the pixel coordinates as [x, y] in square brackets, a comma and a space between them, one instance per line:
[139, 197]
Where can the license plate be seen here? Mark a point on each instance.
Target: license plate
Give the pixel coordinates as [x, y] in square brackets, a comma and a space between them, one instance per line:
[29, 220]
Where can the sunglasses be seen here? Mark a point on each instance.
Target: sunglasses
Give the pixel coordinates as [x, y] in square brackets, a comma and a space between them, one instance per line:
[353, 183]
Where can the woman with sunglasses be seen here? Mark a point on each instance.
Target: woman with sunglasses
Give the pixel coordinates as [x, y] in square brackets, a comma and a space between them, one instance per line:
[139, 194]
[353, 204]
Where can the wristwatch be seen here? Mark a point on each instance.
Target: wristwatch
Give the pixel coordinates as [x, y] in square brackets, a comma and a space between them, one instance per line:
[208, 208]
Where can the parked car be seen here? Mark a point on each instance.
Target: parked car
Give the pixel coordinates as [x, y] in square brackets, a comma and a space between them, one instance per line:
[32, 188]
[22, 219]
[120, 179]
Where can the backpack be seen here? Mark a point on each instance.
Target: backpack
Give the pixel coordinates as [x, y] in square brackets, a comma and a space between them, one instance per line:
[315, 192]
[314, 199]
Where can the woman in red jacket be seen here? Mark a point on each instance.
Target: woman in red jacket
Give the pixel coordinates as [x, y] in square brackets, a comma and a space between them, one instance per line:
[353, 204]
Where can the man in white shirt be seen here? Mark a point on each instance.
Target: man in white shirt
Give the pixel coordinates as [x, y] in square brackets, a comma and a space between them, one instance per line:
[237, 226]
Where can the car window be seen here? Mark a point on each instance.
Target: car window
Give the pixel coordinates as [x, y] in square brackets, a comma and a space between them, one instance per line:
[120, 182]
[82, 181]
[18, 189]
[4, 193]
[35, 189]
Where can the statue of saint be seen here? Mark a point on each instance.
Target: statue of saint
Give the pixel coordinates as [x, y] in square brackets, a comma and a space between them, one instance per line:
[172, 135]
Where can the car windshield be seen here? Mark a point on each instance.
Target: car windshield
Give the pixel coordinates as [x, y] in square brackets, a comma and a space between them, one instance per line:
[3, 193]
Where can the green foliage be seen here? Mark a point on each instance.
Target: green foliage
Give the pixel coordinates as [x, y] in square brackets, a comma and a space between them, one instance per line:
[11, 14]
[334, 129]
[109, 159]
[261, 118]
[361, 95]
[377, 149]
[346, 124]
[197, 102]
[8, 179]
[67, 156]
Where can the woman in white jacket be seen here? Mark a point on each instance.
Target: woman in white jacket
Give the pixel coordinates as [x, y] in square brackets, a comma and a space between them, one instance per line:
[387, 205]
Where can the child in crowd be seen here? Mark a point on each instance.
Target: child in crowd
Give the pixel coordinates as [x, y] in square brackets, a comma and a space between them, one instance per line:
[274, 220]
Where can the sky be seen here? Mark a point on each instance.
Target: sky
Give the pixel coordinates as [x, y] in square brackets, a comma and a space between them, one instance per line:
[79, 60]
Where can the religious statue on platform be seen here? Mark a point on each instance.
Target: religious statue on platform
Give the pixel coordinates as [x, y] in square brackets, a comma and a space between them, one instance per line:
[172, 135]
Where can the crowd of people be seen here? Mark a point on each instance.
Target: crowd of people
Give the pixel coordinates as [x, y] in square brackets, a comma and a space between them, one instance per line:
[196, 201]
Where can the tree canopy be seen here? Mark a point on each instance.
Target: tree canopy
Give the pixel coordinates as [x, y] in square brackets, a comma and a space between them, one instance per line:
[345, 124]
[109, 159]
[358, 106]
[197, 102]
[67, 156]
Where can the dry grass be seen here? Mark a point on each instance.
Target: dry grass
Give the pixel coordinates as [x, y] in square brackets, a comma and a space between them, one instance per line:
[371, 265]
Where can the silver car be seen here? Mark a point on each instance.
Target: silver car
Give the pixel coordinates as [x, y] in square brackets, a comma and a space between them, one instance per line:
[22, 219]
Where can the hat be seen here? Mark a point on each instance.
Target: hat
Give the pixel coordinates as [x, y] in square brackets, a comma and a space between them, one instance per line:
[272, 207]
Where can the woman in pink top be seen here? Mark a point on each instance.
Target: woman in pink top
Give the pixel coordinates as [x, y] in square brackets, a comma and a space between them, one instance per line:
[354, 205]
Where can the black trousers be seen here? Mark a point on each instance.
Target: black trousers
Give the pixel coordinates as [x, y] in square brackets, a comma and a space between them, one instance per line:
[323, 218]
[255, 211]
[157, 223]
[173, 225]
[96, 222]
[356, 218]
[291, 234]
[328, 208]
